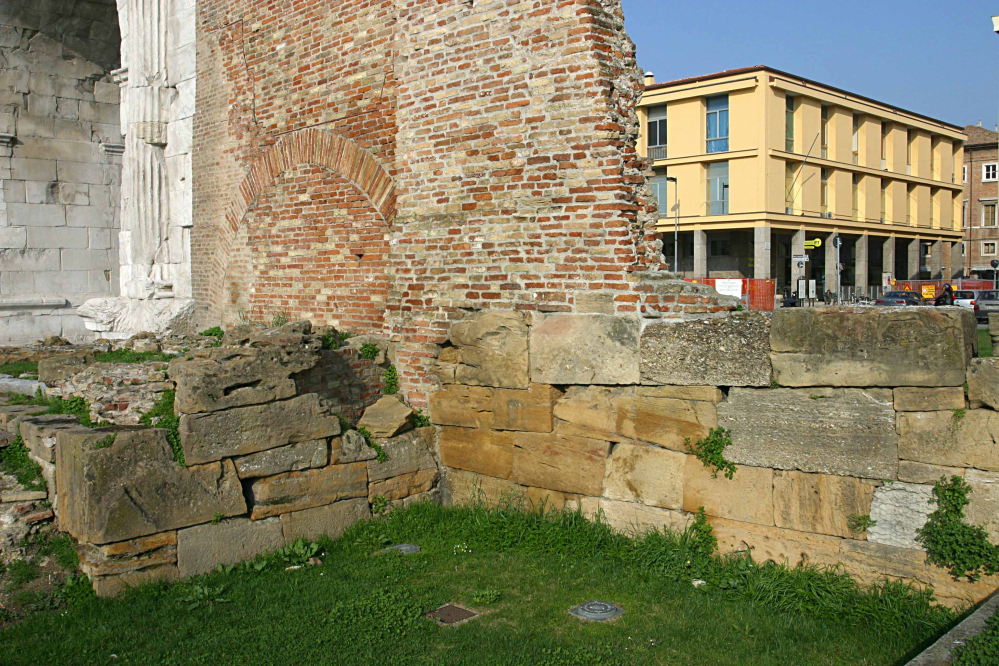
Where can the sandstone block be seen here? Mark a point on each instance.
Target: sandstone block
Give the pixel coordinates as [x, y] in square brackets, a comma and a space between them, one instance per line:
[39, 433]
[646, 475]
[585, 349]
[330, 520]
[290, 458]
[403, 486]
[294, 491]
[485, 452]
[916, 472]
[899, 510]
[849, 432]
[916, 399]
[820, 503]
[63, 366]
[111, 586]
[351, 447]
[467, 488]
[11, 413]
[200, 549]
[872, 346]
[495, 409]
[245, 430]
[386, 350]
[387, 418]
[983, 382]
[553, 500]
[729, 351]
[633, 519]
[557, 462]
[407, 453]
[775, 544]
[634, 413]
[128, 556]
[747, 497]
[490, 349]
[984, 508]
[133, 488]
[953, 439]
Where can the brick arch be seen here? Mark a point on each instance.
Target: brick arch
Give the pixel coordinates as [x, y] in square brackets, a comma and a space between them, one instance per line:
[306, 147]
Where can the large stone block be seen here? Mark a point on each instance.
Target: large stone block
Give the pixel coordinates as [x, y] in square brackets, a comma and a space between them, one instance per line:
[849, 432]
[290, 458]
[387, 418]
[245, 430]
[351, 447]
[490, 349]
[330, 520]
[39, 433]
[645, 474]
[984, 508]
[495, 409]
[649, 414]
[10, 414]
[200, 549]
[63, 366]
[132, 487]
[953, 439]
[916, 399]
[294, 491]
[872, 346]
[916, 472]
[407, 453]
[899, 509]
[748, 496]
[111, 586]
[466, 488]
[487, 452]
[729, 351]
[983, 382]
[236, 377]
[403, 486]
[630, 518]
[585, 349]
[128, 556]
[820, 503]
[557, 462]
[775, 544]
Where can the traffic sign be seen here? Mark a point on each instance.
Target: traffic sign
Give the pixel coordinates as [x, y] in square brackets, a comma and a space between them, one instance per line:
[800, 257]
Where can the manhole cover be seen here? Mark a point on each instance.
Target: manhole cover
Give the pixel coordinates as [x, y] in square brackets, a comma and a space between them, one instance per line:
[404, 548]
[597, 611]
[450, 614]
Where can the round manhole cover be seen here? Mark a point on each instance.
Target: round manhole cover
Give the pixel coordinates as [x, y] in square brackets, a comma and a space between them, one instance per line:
[404, 548]
[597, 611]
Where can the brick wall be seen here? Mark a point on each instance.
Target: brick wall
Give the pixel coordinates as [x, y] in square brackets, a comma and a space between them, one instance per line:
[350, 382]
[975, 190]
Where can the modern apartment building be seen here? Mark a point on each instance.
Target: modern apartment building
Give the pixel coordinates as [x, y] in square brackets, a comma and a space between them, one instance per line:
[981, 195]
[765, 161]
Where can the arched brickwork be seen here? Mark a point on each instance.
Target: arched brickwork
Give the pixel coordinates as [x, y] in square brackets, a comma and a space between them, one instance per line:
[310, 147]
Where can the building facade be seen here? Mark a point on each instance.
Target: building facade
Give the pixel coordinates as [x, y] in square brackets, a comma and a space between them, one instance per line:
[766, 161]
[981, 189]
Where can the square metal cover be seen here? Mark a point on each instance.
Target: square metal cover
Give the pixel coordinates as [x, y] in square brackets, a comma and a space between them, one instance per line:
[449, 614]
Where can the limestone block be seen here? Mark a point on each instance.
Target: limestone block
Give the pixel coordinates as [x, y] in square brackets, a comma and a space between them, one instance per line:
[495, 409]
[466, 488]
[730, 351]
[490, 349]
[775, 544]
[39, 433]
[487, 452]
[899, 510]
[542, 498]
[237, 377]
[110, 586]
[351, 447]
[983, 382]
[645, 474]
[984, 508]
[22, 386]
[915, 399]
[953, 439]
[11, 413]
[635, 413]
[585, 349]
[747, 497]
[872, 346]
[387, 418]
[245, 430]
[407, 453]
[128, 556]
[294, 491]
[820, 503]
[201, 549]
[132, 487]
[63, 366]
[329, 521]
[290, 458]
[850, 432]
[557, 462]
[403, 486]
[916, 472]
[634, 519]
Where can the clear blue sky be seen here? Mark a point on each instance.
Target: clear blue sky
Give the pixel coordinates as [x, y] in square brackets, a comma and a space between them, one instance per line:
[939, 58]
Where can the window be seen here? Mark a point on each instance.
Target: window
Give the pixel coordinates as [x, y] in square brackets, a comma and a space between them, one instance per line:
[989, 172]
[988, 248]
[934, 197]
[789, 188]
[964, 173]
[717, 123]
[718, 188]
[856, 196]
[789, 123]
[856, 139]
[933, 160]
[909, 194]
[719, 248]
[908, 151]
[657, 133]
[989, 215]
[884, 145]
[964, 248]
[825, 190]
[825, 132]
[660, 187]
[884, 201]
[964, 214]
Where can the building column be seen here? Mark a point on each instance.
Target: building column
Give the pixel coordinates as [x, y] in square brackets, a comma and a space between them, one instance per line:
[956, 261]
[888, 256]
[860, 267]
[797, 248]
[946, 260]
[761, 252]
[700, 254]
[913, 250]
[936, 255]
[832, 284]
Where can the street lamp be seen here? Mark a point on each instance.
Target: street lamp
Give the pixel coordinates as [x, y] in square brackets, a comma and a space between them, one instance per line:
[676, 222]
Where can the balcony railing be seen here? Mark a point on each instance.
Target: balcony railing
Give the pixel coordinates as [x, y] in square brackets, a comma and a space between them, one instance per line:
[657, 153]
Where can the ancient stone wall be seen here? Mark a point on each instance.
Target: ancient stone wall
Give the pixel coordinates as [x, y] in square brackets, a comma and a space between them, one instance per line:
[596, 413]
[60, 164]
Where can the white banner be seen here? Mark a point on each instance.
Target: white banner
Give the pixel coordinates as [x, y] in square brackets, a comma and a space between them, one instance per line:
[729, 287]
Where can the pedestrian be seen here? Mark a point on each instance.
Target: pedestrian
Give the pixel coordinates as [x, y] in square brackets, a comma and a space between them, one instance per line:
[946, 298]
[828, 297]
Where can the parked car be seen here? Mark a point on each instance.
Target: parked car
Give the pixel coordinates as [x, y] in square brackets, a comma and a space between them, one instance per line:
[900, 298]
[988, 302]
[965, 298]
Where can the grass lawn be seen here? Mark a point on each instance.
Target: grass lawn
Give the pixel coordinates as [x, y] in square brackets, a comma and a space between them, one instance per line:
[984, 343]
[17, 369]
[523, 571]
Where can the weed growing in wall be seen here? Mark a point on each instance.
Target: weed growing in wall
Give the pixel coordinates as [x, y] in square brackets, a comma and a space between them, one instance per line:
[105, 443]
[859, 524]
[369, 351]
[391, 381]
[710, 451]
[214, 332]
[280, 319]
[379, 504]
[949, 541]
[366, 434]
[421, 420]
[14, 460]
[162, 416]
[330, 340]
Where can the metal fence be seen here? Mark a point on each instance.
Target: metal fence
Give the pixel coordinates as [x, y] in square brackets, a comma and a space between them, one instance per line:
[755, 294]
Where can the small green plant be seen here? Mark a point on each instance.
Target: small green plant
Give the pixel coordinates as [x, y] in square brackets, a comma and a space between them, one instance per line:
[486, 596]
[379, 504]
[76, 590]
[213, 332]
[345, 423]
[61, 548]
[774, 384]
[14, 460]
[203, 595]
[980, 650]
[106, 442]
[710, 451]
[369, 351]
[859, 524]
[217, 518]
[959, 414]
[297, 553]
[949, 541]
[19, 368]
[280, 319]
[22, 572]
[330, 340]
[421, 420]
[391, 381]
[345, 335]
[739, 308]
[366, 434]
[162, 416]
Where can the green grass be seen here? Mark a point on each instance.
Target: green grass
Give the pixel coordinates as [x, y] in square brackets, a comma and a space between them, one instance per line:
[129, 356]
[162, 416]
[19, 368]
[14, 460]
[525, 570]
[984, 344]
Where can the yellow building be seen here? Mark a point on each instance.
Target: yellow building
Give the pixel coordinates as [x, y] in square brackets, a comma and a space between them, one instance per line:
[765, 161]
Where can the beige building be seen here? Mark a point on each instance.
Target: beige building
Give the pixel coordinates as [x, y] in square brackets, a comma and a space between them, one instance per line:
[765, 161]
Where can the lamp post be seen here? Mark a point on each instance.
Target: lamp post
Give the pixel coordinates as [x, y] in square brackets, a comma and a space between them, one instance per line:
[676, 222]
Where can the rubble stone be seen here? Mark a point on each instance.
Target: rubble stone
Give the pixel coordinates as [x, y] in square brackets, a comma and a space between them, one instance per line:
[585, 349]
[387, 418]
